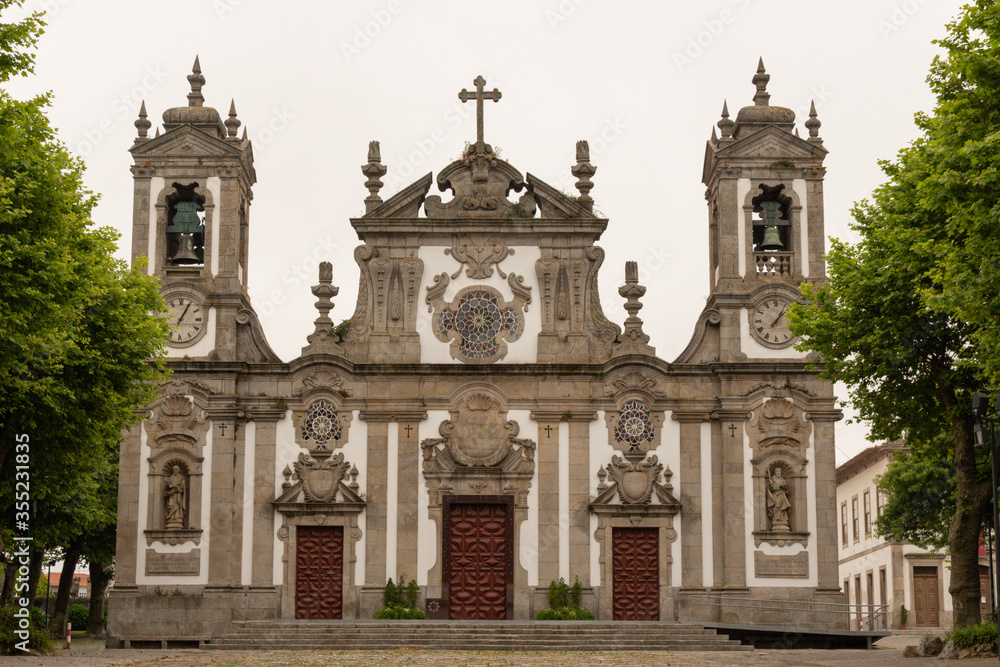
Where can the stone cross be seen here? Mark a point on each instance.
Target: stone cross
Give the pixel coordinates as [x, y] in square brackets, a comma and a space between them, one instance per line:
[465, 95]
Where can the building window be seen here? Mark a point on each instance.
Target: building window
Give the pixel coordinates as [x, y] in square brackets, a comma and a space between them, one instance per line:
[854, 517]
[879, 501]
[843, 523]
[868, 514]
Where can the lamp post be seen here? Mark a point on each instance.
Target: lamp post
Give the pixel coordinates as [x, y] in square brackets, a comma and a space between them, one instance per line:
[985, 430]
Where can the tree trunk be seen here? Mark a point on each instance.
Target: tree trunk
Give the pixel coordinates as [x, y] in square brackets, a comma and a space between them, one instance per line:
[9, 572]
[57, 622]
[35, 570]
[972, 505]
[100, 576]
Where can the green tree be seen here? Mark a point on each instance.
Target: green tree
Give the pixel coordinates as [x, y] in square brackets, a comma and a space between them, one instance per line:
[909, 356]
[919, 491]
[77, 326]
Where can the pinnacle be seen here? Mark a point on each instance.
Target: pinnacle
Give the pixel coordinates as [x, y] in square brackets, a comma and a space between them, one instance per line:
[196, 68]
[760, 65]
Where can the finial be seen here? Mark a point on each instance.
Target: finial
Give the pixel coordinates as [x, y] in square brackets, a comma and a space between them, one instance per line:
[195, 98]
[760, 80]
[601, 476]
[232, 123]
[244, 137]
[725, 124]
[324, 338]
[715, 137]
[157, 132]
[583, 171]
[142, 124]
[374, 170]
[633, 341]
[813, 124]
[287, 474]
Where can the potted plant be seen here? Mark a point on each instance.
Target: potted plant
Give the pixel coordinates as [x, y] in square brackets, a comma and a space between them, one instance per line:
[902, 617]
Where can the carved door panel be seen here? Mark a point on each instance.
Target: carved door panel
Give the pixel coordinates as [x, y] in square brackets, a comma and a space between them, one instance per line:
[636, 574]
[478, 561]
[925, 596]
[319, 572]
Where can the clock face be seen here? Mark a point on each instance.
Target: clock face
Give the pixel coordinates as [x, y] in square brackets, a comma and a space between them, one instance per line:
[187, 319]
[769, 322]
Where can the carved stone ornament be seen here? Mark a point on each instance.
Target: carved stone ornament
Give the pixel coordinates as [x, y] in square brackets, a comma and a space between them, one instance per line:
[778, 424]
[176, 421]
[481, 183]
[636, 485]
[478, 322]
[320, 476]
[321, 380]
[478, 435]
[633, 381]
[479, 255]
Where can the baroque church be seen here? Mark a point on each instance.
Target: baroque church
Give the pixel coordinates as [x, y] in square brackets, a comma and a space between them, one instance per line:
[479, 425]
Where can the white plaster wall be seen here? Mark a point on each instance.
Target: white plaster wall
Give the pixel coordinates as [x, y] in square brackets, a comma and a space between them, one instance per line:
[600, 453]
[528, 547]
[203, 347]
[669, 454]
[521, 262]
[206, 503]
[392, 502]
[770, 549]
[427, 530]
[742, 190]
[799, 186]
[214, 185]
[156, 185]
[755, 350]
[286, 451]
[249, 459]
[707, 512]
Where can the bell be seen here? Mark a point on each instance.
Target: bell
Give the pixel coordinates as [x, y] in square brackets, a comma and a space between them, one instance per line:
[771, 240]
[185, 251]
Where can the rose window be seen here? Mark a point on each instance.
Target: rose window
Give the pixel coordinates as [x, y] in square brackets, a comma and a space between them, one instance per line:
[479, 318]
[321, 424]
[634, 426]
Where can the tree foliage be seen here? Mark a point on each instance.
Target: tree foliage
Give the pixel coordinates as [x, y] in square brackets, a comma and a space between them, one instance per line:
[77, 327]
[906, 319]
[919, 500]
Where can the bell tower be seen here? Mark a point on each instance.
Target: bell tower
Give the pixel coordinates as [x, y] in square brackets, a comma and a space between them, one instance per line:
[192, 195]
[765, 212]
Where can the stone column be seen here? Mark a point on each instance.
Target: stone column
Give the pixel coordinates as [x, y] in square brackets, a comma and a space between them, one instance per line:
[263, 496]
[691, 518]
[408, 480]
[376, 510]
[224, 547]
[547, 458]
[826, 497]
[579, 498]
[129, 471]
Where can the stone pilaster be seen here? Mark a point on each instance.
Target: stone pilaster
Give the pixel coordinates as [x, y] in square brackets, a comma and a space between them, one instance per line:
[827, 526]
[223, 551]
[730, 512]
[548, 496]
[129, 462]
[579, 498]
[376, 509]
[408, 480]
[691, 518]
[263, 496]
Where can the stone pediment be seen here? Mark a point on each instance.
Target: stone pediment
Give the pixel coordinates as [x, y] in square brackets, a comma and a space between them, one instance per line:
[405, 203]
[771, 142]
[635, 487]
[553, 203]
[480, 183]
[187, 141]
[320, 484]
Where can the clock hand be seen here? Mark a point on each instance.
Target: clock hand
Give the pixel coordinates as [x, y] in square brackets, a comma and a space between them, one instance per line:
[780, 315]
[181, 318]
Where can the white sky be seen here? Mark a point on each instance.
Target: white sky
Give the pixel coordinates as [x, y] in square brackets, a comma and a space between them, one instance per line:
[644, 82]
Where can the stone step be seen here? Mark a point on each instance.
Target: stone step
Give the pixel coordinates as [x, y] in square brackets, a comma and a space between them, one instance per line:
[475, 635]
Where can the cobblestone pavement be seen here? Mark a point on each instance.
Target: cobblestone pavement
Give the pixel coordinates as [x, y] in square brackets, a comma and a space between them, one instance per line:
[82, 657]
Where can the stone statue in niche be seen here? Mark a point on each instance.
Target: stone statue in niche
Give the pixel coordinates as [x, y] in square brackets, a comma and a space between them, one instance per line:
[778, 504]
[174, 496]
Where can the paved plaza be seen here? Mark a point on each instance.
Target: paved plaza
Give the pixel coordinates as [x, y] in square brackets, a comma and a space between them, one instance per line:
[91, 654]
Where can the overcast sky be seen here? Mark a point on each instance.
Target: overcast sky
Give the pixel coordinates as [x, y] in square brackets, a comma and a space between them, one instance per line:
[644, 82]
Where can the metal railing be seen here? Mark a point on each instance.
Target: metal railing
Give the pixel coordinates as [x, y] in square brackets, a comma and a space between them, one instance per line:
[859, 616]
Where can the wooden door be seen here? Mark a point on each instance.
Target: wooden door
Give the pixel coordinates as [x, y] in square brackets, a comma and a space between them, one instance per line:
[984, 591]
[319, 572]
[478, 563]
[635, 574]
[926, 604]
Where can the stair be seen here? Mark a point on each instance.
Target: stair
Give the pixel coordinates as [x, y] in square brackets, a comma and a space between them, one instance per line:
[473, 636]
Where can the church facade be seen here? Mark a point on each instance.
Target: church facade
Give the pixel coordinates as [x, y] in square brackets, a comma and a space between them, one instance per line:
[479, 425]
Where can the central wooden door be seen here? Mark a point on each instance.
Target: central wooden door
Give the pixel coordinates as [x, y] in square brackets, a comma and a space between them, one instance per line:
[635, 574]
[319, 572]
[925, 596]
[479, 558]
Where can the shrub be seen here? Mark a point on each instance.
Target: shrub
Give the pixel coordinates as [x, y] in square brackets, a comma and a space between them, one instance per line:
[564, 603]
[974, 635]
[78, 615]
[399, 613]
[399, 601]
[37, 638]
[570, 613]
[558, 594]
